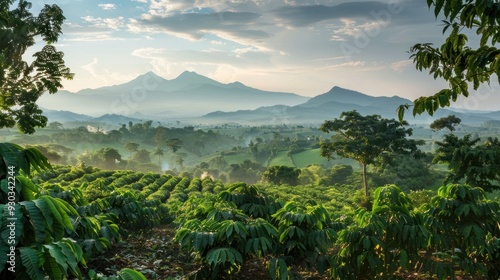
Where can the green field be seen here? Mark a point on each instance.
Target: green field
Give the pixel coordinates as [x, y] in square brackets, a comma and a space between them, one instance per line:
[237, 158]
[282, 158]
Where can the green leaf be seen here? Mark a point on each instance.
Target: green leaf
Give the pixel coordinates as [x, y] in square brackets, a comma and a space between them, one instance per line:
[278, 269]
[13, 155]
[52, 269]
[438, 7]
[36, 219]
[58, 256]
[30, 260]
[366, 242]
[37, 160]
[403, 256]
[73, 257]
[130, 274]
[28, 190]
[49, 204]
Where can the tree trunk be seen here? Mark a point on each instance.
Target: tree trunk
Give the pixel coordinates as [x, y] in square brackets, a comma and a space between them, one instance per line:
[365, 181]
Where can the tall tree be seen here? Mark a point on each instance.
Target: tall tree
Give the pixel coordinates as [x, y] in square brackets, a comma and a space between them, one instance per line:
[456, 61]
[22, 82]
[366, 139]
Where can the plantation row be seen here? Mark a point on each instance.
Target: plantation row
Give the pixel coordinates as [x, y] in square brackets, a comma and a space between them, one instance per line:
[457, 232]
[69, 215]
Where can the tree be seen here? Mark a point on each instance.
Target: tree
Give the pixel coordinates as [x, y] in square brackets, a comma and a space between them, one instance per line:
[160, 135]
[456, 61]
[281, 175]
[132, 147]
[159, 152]
[114, 135]
[338, 174]
[22, 83]
[366, 139]
[478, 165]
[110, 156]
[142, 156]
[247, 171]
[448, 122]
[55, 125]
[174, 144]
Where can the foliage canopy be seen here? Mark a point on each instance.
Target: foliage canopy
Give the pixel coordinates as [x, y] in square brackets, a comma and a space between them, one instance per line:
[22, 82]
[477, 164]
[456, 61]
[448, 122]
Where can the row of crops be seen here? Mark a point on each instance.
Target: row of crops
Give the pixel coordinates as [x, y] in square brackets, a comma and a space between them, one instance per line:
[226, 226]
[68, 215]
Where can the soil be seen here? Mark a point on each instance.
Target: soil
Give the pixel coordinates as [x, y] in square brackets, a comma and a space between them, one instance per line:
[152, 252]
[157, 256]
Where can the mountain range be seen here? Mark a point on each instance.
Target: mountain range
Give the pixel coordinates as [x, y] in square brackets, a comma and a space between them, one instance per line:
[188, 95]
[197, 99]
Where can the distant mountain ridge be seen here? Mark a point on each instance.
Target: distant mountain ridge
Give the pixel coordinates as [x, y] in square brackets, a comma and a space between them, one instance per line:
[188, 95]
[332, 103]
[342, 95]
[199, 99]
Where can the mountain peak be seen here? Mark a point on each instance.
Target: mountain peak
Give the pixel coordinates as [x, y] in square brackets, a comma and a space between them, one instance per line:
[341, 90]
[149, 75]
[345, 96]
[190, 77]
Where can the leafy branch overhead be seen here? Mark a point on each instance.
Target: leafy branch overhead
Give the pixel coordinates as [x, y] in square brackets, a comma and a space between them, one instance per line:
[22, 83]
[456, 61]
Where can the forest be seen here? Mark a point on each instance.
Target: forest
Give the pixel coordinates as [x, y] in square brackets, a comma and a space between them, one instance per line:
[358, 197]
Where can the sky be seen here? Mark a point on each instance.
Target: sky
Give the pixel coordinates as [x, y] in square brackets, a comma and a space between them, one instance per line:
[300, 46]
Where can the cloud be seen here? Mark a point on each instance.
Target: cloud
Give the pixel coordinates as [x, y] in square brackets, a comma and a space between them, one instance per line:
[169, 7]
[346, 64]
[92, 36]
[227, 25]
[140, 1]
[301, 16]
[92, 68]
[99, 72]
[241, 58]
[107, 6]
[111, 23]
[400, 66]
[354, 28]
[385, 13]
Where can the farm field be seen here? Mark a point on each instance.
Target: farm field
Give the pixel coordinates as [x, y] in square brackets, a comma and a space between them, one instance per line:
[166, 226]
